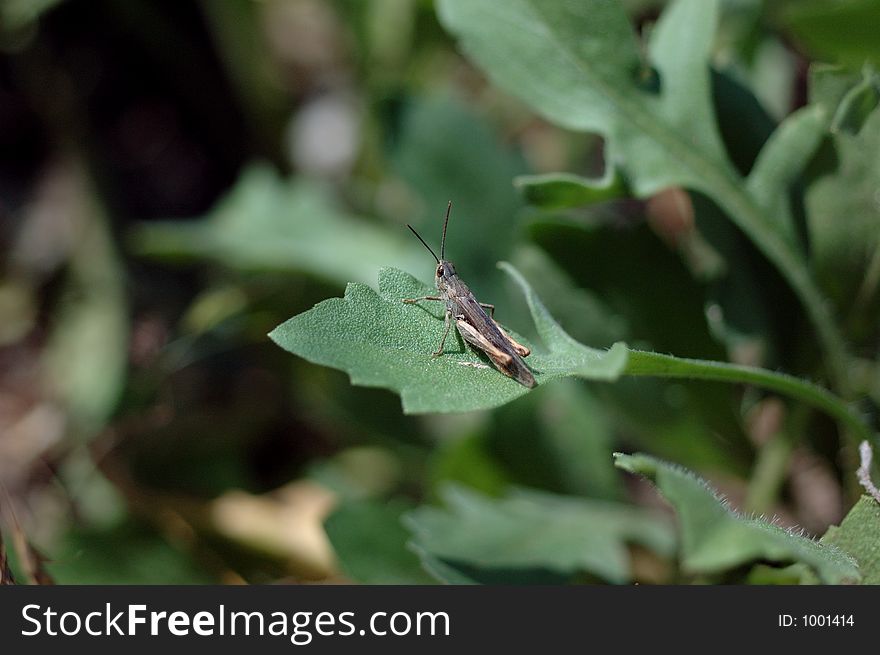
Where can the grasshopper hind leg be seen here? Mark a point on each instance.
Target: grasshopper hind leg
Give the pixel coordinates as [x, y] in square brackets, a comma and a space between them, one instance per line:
[520, 349]
[509, 365]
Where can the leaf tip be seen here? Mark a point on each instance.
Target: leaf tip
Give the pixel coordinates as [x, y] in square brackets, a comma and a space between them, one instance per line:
[623, 461]
[273, 334]
[511, 270]
[637, 464]
[522, 180]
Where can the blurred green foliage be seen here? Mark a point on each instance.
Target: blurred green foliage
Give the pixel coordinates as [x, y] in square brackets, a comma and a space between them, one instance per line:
[530, 531]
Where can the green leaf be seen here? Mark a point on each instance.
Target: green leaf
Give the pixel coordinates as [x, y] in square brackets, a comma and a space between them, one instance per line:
[659, 365]
[568, 356]
[829, 84]
[532, 530]
[19, 15]
[748, 306]
[565, 190]
[578, 64]
[672, 419]
[781, 162]
[842, 31]
[680, 47]
[856, 107]
[859, 536]
[716, 538]
[601, 259]
[370, 543]
[462, 573]
[467, 461]
[92, 557]
[580, 311]
[380, 341]
[269, 224]
[442, 571]
[559, 438]
[843, 221]
[744, 122]
[86, 357]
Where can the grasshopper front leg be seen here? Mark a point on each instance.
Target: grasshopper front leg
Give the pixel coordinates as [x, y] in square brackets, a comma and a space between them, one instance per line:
[448, 321]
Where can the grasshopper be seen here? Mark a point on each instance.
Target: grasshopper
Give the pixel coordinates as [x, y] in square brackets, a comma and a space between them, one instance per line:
[475, 326]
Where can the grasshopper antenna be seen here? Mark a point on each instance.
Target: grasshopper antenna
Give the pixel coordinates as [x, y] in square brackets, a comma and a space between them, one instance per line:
[423, 241]
[443, 240]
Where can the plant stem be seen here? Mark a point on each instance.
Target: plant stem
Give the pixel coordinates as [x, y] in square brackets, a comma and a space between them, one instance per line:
[769, 472]
[721, 182]
[751, 219]
[643, 363]
[772, 463]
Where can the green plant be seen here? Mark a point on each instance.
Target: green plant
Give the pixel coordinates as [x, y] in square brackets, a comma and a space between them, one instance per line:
[581, 66]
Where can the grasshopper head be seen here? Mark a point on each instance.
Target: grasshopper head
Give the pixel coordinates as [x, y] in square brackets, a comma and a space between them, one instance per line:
[445, 272]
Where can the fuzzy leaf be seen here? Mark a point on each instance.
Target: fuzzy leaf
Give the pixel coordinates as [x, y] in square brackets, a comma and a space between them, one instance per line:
[537, 531]
[715, 538]
[382, 342]
[859, 535]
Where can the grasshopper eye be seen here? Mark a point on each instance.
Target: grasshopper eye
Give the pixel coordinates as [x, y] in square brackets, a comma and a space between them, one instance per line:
[439, 271]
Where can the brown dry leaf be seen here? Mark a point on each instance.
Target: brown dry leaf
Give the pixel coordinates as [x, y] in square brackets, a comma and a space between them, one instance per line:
[817, 495]
[31, 560]
[6, 577]
[670, 214]
[29, 429]
[287, 524]
[765, 420]
[36, 570]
